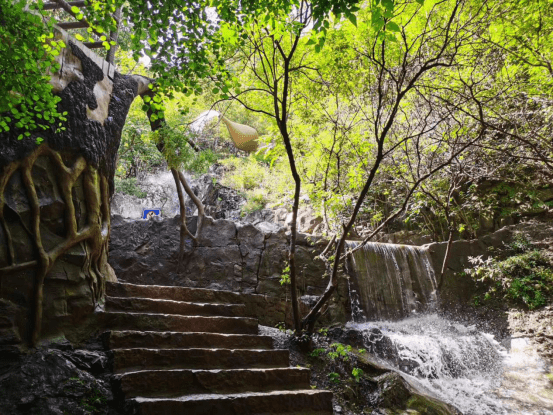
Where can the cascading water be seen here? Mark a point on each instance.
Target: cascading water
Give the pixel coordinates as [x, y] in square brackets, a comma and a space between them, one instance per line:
[462, 366]
[450, 361]
[393, 281]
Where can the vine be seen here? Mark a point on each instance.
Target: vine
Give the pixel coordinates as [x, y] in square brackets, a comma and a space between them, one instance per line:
[95, 232]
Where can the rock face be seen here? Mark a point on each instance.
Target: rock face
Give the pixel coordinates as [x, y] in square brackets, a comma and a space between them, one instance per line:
[220, 202]
[54, 203]
[56, 381]
[230, 256]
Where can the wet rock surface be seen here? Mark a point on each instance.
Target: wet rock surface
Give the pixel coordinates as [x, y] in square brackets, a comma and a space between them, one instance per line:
[56, 380]
[377, 390]
[537, 325]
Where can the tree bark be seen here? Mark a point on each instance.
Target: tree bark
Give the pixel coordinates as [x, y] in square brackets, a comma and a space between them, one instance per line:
[54, 206]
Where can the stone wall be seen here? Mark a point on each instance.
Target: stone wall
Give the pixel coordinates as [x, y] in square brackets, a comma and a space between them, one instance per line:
[456, 289]
[229, 256]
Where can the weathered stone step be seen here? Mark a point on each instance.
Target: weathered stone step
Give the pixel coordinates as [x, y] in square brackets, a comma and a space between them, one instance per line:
[186, 294]
[175, 382]
[149, 305]
[172, 322]
[301, 402]
[172, 340]
[130, 360]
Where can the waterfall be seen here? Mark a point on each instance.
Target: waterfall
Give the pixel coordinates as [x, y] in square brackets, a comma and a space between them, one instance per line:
[462, 366]
[392, 281]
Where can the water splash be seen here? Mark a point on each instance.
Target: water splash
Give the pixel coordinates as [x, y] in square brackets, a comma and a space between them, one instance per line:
[460, 365]
[393, 281]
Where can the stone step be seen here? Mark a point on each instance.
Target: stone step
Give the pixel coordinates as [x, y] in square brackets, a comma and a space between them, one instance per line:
[130, 360]
[172, 322]
[300, 402]
[173, 340]
[175, 382]
[149, 305]
[186, 294]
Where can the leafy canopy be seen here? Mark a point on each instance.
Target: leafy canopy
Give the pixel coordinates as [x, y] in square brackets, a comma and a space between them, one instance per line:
[28, 54]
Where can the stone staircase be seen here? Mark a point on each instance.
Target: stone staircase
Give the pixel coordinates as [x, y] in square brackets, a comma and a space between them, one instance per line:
[179, 350]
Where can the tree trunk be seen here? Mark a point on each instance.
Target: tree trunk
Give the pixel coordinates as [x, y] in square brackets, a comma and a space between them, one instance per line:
[55, 205]
[446, 257]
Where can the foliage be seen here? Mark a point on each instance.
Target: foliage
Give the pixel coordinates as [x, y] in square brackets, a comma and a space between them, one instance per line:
[317, 352]
[525, 278]
[339, 350]
[137, 152]
[28, 52]
[334, 377]
[357, 373]
[129, 186]
[285, 276]
[424, 115]
[259, 182]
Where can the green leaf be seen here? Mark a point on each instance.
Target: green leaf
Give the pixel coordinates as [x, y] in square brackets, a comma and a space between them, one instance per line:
[392, 26]
[75, 9]
[388, 4]
[353, 19]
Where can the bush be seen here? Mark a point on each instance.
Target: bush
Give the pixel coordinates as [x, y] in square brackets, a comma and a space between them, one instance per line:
[259, 182]
[524, 279]
[128, 186]
[256, 200]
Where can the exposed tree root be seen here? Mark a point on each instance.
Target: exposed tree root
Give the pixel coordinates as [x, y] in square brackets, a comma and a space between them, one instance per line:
[95, 234]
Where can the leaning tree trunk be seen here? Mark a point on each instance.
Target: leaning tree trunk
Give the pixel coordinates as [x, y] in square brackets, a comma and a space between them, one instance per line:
[55, 204]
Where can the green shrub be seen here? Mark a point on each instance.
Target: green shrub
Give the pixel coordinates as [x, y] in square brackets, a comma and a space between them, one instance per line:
[334, 377]
[256, 200]
[128, 186]
[357, 373]
[524, 279]
[260, 183]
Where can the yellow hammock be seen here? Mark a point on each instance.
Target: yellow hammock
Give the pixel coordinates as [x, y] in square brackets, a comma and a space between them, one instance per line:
[243, 136]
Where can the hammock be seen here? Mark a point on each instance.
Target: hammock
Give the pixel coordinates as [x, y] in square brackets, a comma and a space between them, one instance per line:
[243, 136]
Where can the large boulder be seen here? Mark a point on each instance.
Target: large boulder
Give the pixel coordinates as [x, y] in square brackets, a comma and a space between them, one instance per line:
[54, 381]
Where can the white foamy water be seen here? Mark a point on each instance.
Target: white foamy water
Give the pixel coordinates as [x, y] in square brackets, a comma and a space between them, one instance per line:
[462, 366]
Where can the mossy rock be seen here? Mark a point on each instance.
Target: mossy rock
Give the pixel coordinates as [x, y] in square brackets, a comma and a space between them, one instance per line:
[397, 397]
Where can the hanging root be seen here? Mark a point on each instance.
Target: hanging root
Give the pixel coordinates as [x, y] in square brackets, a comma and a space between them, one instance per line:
[95, 233]
[180, 180]
[4, 179]
[183, 228]
[197, 202]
